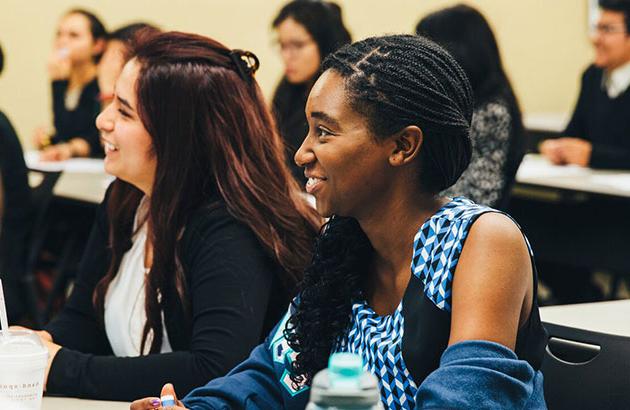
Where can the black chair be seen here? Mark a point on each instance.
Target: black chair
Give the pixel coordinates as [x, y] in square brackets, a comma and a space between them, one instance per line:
[586, 370]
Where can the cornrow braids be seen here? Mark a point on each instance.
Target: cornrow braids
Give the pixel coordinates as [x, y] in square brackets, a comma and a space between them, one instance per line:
[394, 82]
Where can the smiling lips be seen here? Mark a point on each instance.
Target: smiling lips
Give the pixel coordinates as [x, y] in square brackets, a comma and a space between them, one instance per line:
[313, 183]
[109, 147]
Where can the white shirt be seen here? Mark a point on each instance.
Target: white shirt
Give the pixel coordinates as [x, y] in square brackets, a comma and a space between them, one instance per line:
[125, 315]
[617, 81]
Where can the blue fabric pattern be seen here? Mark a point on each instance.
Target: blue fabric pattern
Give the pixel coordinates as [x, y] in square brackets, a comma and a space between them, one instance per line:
[378, 339]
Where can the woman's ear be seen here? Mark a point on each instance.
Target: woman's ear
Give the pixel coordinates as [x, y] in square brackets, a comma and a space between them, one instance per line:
[408, 142]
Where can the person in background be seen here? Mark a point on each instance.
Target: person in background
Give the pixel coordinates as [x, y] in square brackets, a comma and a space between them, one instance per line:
[15, 221]
[114, 56]
[598, 134]
[307, 31]
[201, 239]
[79, 44]
[496, 131]
[437, 295]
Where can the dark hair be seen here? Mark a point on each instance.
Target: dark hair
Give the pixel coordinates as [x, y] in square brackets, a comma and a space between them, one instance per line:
[127, 33]
[323, 21]
[622, 6]
[393, 81]
[97, 28]
[466, 34]
[1, 59]
[212, 137]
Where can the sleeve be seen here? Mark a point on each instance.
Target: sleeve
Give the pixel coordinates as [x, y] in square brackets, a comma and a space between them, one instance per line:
[230, 280]
[251, 385]
[481, 374]
[77, 326]
[577, 125]
[611, 157]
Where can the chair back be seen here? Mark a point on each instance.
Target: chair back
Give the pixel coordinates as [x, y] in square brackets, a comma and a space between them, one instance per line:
[586, 370]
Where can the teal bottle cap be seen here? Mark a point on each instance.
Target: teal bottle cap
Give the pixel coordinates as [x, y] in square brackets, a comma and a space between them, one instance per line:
[345, 370]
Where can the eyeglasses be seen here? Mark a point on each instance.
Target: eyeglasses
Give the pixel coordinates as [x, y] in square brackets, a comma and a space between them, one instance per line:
[294, 46]
[608, 29]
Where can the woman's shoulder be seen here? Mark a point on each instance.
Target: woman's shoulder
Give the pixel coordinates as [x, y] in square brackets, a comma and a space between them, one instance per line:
[213, 223]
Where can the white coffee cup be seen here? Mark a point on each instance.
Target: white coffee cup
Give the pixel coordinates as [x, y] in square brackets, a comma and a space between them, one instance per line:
[23, 359]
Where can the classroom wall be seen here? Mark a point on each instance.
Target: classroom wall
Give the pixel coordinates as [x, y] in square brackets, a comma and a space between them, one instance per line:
[544, 43]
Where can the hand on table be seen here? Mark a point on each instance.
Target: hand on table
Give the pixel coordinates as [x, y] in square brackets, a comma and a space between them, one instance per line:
[153, 403]
[46, 339]
[41, 137]
[567, 150]
[59, 152]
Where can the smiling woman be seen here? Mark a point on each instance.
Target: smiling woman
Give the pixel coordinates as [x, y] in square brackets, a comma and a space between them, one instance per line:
[202, 237]
[436, 294]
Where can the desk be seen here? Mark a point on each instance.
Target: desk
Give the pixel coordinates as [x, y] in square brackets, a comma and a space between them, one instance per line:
[64, 403]
[537, 171]
[82, 179]
[574, 216]
[604, 317]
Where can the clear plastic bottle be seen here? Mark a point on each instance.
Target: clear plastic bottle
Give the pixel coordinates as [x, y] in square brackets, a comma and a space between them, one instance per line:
[344, 385]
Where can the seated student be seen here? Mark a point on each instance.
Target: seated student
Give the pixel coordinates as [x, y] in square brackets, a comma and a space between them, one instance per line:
[496, 130]
[15, 220]
[389, 126]
[113, 59]
[200, 240]
[79, 43]
[307, 32]
[598, 134]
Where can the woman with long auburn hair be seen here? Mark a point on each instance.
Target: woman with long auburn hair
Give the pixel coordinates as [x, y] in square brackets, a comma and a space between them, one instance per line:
[202, 237]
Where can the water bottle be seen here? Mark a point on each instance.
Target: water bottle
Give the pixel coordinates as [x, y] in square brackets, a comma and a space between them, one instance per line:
[345, 386]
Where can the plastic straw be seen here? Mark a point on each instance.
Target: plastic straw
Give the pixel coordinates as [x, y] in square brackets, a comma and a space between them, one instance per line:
[4, 321]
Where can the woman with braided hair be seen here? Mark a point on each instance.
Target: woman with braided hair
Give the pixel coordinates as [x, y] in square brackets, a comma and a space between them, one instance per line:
[201, 239]
[437, 295]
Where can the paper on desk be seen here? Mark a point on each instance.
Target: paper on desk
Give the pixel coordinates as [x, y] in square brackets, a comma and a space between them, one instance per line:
[538, 167]
[617, 181]
[78, 165]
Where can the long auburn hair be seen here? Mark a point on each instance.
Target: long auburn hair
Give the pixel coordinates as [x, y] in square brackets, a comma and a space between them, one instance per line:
[213, 137]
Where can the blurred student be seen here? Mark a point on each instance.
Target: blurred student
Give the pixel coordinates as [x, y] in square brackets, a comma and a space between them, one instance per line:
[114, 57]
[598, 134]
[496, 130]
[15, 218]
[307, 31]
[202, 237]
[79, 44]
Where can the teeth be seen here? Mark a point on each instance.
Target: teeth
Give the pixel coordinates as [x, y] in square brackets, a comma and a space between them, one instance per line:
[109, 147]
[312, 181]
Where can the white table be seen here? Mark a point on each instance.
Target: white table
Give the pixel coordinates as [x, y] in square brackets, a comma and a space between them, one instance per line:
[604, 317]
[82, 179]
[63, 403]
[537, 170]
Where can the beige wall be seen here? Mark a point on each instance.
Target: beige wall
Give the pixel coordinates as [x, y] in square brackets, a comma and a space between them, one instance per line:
[544, 43]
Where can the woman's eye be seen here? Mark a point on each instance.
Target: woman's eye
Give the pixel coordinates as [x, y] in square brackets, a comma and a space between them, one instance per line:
[322, 132]
[124, 113]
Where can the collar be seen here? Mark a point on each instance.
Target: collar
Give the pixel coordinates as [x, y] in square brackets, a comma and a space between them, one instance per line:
[617, 81]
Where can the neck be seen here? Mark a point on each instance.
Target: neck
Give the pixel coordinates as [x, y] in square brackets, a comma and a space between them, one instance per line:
[82, 74]
[391, 232]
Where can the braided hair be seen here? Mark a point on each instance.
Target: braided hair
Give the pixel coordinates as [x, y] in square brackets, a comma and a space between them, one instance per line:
[393, 81]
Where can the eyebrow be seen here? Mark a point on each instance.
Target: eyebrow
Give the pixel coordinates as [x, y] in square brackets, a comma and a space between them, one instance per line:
[124, 102]
[325, 117]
